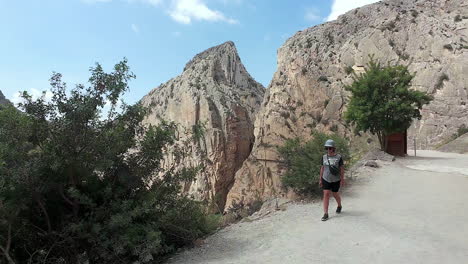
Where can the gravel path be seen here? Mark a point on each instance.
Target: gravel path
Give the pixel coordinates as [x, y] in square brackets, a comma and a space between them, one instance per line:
[413, 210]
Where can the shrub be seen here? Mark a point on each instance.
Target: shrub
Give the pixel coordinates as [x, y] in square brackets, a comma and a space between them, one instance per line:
[462, 130]
[334, 128]
[448, 47]
[285, 115]
[349, 69]
[391, 25]
[323, 78]
[404, 56]
[440, 82]
[303, 161]
[78, 187]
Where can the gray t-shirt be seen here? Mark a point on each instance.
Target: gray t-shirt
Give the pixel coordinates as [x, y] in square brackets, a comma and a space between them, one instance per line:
[336, 160]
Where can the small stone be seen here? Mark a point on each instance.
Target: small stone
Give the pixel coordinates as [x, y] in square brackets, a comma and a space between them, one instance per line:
[372, 164]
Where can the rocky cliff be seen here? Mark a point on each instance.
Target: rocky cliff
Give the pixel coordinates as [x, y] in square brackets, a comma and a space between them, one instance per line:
[307, 90]
[216, 100]
[3, 100]
[458, 145]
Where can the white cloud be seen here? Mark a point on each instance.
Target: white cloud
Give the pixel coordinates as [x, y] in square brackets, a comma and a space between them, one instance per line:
[312, 14]
[340, 7]
[184, 11]
[35, 94]
[135, 28]
[16, 98]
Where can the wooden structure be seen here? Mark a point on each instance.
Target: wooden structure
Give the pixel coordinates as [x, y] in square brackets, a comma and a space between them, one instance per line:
[397, 144]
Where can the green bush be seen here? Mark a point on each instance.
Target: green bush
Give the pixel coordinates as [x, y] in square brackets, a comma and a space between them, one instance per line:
[323, 78]
[349, 69]
[382, 102]
[462, 130]
[79, 186]
[303, 161]
[440, 81]
[448, 47]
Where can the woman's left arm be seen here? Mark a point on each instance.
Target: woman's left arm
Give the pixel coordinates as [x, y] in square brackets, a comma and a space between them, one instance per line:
[342, 180]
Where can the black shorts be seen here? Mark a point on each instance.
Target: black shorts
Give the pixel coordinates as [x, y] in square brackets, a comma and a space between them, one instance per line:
[333, 186]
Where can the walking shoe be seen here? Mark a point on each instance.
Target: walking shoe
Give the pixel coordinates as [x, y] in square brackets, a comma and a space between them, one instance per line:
[325, 217]
[338, 209]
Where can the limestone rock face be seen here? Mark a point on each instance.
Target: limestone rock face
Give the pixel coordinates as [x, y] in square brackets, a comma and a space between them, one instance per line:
[3, 100]
[459, 145]
[215, 93]
[314, 65]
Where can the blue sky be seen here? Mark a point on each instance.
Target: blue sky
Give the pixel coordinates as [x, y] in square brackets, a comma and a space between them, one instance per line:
[157, 36]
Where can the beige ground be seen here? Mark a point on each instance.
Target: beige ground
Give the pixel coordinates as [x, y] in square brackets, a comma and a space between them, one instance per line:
[413, 210]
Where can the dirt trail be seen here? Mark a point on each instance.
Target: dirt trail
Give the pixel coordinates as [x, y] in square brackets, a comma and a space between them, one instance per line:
[413, 210]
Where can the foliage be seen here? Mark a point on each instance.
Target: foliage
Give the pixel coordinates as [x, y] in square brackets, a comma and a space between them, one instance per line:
[198, 131]
[323, 78]
[78, 185]
[303, 161]
[448, 47]
[463, 129]
[349, 69]
[440, 82]
[382, 102]
[391, 25]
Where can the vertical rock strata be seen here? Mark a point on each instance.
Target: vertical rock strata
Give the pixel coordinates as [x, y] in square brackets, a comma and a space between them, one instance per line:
[314, 65]
[216, 95]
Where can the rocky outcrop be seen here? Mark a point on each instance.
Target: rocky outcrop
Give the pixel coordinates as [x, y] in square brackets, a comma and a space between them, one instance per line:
[3, 100]
[216, 100]
[307, 91]
[458, 145]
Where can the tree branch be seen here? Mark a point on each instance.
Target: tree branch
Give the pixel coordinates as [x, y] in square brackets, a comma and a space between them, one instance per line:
[41, 205]
[6, 250]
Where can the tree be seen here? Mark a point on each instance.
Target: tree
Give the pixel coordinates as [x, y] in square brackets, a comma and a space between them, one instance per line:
[78, 184]
[303, 161]
[381, 101]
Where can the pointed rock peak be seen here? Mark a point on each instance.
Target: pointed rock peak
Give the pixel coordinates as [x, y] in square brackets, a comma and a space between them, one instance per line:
[222, 65]
[3, 100]
[221, 53]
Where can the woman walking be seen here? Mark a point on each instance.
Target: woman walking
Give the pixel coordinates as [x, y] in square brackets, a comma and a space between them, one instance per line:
[331, 177]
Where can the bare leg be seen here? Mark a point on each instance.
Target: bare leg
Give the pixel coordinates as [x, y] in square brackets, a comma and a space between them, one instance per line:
[326, 200]
[337, 198]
